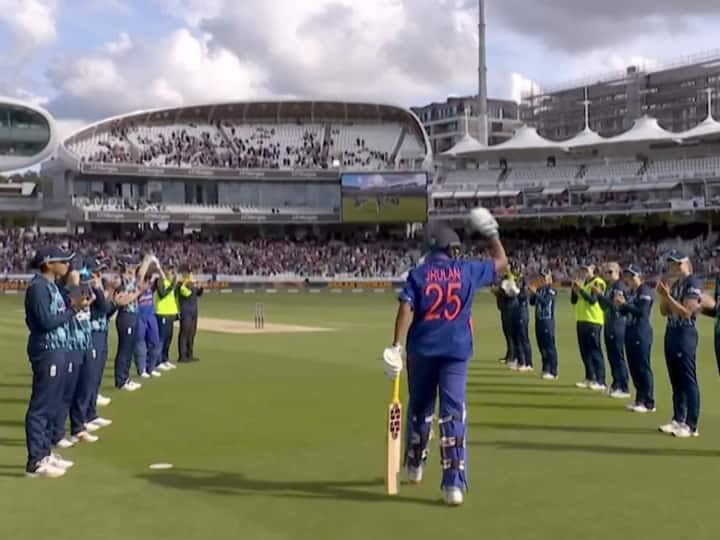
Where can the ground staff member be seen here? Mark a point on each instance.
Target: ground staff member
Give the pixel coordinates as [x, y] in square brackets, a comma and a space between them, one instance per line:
[680, 304]
[188, 296]
[636, 304]
[166, 307]
[47, 318]
[544, 300]
[590, 319]
[614, 330]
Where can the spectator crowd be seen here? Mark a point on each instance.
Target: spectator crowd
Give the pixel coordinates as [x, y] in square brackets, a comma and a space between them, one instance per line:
[560, 250]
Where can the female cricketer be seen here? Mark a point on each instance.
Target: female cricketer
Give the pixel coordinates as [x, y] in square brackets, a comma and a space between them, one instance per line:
[434, 319]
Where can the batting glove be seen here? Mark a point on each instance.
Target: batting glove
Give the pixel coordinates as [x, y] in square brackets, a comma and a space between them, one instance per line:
[393, 361]
[484, 222]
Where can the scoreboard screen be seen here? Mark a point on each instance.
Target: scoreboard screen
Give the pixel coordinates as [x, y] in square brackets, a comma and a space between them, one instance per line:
[384, 197]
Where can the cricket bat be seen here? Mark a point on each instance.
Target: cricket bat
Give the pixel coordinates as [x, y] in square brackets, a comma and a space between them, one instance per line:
[394, 440]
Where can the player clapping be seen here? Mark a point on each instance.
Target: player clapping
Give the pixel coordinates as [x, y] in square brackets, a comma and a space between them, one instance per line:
[544, 299]
[435, 319]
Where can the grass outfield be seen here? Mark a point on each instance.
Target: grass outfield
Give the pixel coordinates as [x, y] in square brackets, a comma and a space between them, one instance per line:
[411, 208]
[282, 437]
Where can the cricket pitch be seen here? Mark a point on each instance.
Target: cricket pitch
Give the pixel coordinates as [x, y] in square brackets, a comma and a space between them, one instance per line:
[228, 326]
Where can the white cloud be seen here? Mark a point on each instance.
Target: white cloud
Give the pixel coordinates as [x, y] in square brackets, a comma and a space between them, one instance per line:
[33, 22]
[120, 45]
[520, 85]
[68, 126]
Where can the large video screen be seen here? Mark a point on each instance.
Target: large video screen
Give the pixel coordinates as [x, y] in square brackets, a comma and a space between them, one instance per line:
[384, 197]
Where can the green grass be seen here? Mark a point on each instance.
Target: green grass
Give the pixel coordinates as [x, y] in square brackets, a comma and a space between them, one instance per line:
[282, 437]
[410, 208]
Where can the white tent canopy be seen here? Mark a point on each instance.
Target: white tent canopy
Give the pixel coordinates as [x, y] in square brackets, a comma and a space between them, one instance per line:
[526, 138]
[587, 137]
[467, 144]
[644, 130]
[707, 128]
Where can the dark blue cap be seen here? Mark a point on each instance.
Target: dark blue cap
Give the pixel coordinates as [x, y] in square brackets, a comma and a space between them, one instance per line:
[676, 256]
[633, 270]
[443, 237]
[50, 254]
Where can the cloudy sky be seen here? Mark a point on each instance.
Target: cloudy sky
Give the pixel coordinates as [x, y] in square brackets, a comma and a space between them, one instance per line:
[87, 59]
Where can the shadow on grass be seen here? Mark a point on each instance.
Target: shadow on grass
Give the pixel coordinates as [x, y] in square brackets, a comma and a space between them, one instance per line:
[520, 384]
[515, 391]
[26, 384]
[548, 406]
[14, 401]
[11, 442]
[12, 423]
[223, 483]
[12, 471]
[566, 429]
[599, 449]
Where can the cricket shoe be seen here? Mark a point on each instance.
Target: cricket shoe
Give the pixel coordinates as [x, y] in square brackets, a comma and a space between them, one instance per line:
[453, 496]
[65, 443]
[61, 463]
[103, 401]
[415, 474]
[619, 394]
[513, 366]
[91, 427]
[163, 367]
[101, 422]
[669, 429]
[597, 387]
[549, 377]
[84, 436]
[131, 386]
[526, 369]
[155, 373]
[642, 409]
[45, 469]
[583, 384]
[170, 365]
[145, 375]
[684, 432]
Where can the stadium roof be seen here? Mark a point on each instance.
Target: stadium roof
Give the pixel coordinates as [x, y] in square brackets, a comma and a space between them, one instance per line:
[465, 145]
[644, 130]
[587, 137]
[707, 129]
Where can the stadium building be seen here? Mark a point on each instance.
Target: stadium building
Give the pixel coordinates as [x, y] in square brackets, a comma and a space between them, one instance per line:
[28, 135]
[448, 122]
[675, 94]
[223, 164]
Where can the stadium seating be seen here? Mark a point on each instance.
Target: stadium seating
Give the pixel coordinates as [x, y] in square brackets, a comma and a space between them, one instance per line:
[612, 171]
[540, 175]
[481, 177]
[236, 145]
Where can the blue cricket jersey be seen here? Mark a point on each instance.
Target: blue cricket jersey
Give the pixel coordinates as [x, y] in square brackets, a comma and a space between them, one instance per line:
[129, 285]
[544, 302]
[46, 317]
[688, 288]
[638, 310]
[441, 292]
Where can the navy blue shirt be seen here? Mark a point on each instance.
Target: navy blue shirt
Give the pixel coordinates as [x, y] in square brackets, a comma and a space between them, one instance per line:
[129, 285]
[638, 309]
[522, 310]
[47, 317]
[688, 288]
[79, 328]
[544, 301]
[441, 292]
[100, 311]
[613, 316]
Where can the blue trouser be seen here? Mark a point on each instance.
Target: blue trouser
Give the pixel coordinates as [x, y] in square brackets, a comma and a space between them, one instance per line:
[506, 321]
[615, 347]
[126, 327]
[521, 341]
[680, 349]
[75, 361]
[166, 324]
[49, 374]
[100, 346]
[589, 341]
[428, 377]
[147, 344]
[545, 336]
[638, 345]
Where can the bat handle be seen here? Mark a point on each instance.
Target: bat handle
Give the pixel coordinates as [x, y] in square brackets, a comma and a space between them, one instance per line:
[396, 390]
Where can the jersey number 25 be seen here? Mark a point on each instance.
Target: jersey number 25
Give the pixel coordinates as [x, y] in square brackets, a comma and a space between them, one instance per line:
[446, 304]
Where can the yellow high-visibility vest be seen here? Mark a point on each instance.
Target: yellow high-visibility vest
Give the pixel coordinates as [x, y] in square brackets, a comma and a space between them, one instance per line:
[168, 306]
[587, 312]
